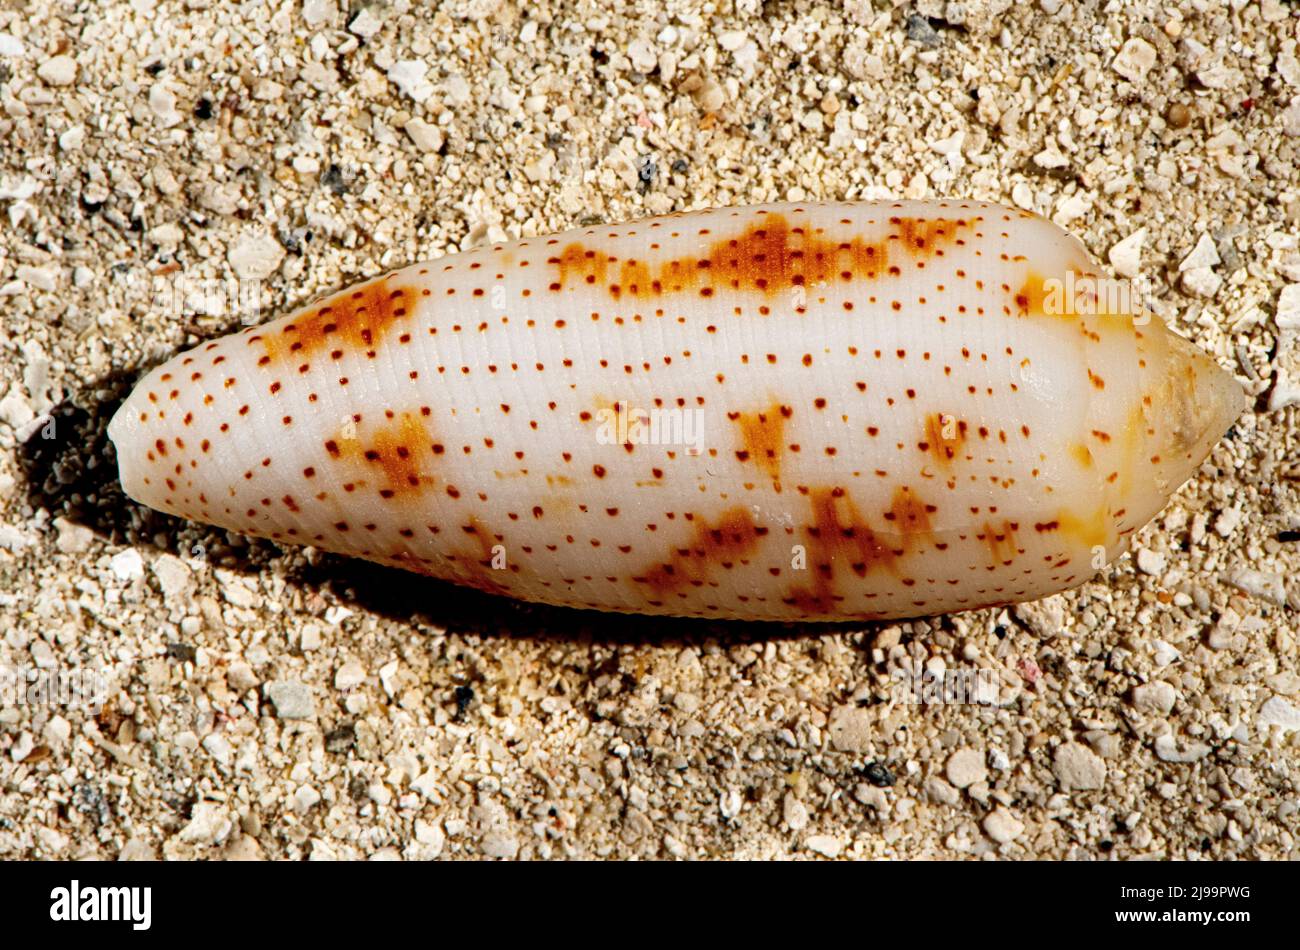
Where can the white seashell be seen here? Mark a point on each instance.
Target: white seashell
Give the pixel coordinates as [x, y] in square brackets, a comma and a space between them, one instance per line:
[814, 411]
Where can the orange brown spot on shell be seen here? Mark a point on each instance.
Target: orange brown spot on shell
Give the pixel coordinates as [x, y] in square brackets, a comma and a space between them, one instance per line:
[354, 320]
[1092, 529]
[943, 437]
[396, 455]
[1031, 298]
[474, 568]
[762, 437]
[839, 538]
[770, 256]
[735, 537]
[1001, 542]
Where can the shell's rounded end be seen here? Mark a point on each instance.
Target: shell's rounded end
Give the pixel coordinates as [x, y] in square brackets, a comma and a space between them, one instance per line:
[124, 431]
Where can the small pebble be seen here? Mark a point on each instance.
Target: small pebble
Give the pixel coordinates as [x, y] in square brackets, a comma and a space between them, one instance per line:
[1288, 67]
[497, 845]
[1178, 115]
[409, 75]
[255, 257]
[1150, 562]
[940, 791]
[1135, 59]
[162, 101]
[1204, 254]
[794, 812]
[309, 638]
[1288, 308]
[1169, 749]
[243, 848]
[1049, 158]
[1227, 522]
[710, 97]
[57, 732]
[1105, 744]
[217, 746]
[878, 775]
[1281, 713]
[22, 747]
[733, 40]
[643, 55]
[42, 278]
[427, 138]
[365, 24]
[966, 767]
[166, 234]
[127, 565]
[429, 834]
[349, 676]
[172, 574]
[825, 845]
[1218, 75]
[317, 12]
[15, 410]
[1126, 255]
[1002, 826]
[58, 70]
[209, 823]
[72, 538]
[852, 729]
[240, 677]
[291, 699]
[1078, 768]
[920, 31]
[1262, 585]
[267, 90]
[1156, 698]
[1220, 636]
[305, 798]
[1201, 282]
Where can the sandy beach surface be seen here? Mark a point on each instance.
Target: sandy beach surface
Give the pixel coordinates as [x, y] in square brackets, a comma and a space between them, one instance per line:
[169, 168]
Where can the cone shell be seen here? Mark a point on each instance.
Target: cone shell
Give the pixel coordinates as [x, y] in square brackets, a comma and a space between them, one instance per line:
[817, 411]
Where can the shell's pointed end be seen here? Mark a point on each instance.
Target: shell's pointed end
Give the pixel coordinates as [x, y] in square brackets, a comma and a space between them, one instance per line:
[1194, 402]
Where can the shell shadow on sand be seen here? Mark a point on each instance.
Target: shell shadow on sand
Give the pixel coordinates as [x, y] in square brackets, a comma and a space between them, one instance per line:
[70, 468]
